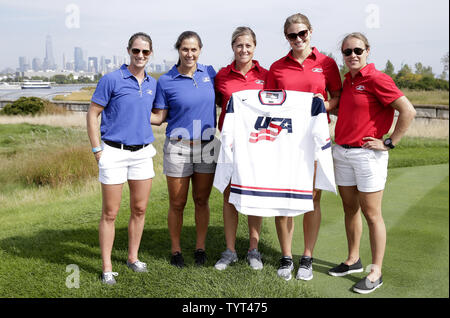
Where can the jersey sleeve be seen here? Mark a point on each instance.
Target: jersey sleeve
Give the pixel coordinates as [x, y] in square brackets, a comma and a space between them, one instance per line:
[321, 134]
[225, 161]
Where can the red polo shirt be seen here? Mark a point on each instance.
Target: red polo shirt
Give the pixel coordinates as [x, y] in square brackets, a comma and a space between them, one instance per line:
[228, 81]
[364, 106]
[317, 74]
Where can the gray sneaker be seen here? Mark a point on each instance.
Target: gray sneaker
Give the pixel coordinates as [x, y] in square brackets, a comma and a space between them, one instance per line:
[254, 259]
[228, 257]
[305, 269]
[108, 278]
[138, 266]
[286, 268]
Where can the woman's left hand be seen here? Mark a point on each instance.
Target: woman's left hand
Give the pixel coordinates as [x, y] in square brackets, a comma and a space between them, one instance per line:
[374, 144]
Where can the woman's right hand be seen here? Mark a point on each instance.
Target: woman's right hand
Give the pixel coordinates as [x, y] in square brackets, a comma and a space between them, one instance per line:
[97, 155]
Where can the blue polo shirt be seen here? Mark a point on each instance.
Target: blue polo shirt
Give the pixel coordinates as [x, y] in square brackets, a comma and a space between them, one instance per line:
[190, 102]
[127, 107]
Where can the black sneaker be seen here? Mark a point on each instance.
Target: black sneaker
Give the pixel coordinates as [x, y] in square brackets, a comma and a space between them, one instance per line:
[200, 257]
[344, 269]
[177, 260]
[365, 286]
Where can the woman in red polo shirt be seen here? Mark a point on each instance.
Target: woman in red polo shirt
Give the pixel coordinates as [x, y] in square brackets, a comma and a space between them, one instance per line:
[366, 113]
[243, 73]
[304, 69]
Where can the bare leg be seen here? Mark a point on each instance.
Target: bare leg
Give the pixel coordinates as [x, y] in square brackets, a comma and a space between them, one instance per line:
[371, 207]
[201, 189]
[230, 220]
[178, 191]
[285, 230]
[139, 194]
[353, 222]
[111, 197]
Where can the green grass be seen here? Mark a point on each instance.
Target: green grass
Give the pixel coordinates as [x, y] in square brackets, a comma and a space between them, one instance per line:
[43, 229]
[436, 97]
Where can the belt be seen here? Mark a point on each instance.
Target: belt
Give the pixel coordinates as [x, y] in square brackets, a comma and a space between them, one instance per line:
[349, 147]
[188, 141]
[124, 147]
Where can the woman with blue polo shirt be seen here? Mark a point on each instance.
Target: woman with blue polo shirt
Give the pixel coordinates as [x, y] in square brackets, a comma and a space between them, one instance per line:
[187, 95]
[124, 99]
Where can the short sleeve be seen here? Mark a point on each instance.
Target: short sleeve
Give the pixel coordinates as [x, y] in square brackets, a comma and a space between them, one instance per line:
[333, 77]
[270, 82]
[103, 91]
[160, 98]
[385, 89]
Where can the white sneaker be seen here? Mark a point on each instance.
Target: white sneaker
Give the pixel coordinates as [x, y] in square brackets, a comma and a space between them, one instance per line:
[108, 278]
[286, 268]
[305, 269]
[254, 259]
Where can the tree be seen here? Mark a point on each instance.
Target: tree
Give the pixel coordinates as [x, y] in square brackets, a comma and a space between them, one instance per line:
[389, 69]
[444, 61]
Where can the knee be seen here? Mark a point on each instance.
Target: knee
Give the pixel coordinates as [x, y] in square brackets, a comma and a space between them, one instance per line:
[201, 201]
[138, 210]
[373, 218]
[177, 206]
[109, 216]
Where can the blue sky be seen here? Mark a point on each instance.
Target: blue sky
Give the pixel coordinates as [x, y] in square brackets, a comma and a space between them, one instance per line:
[404, 31]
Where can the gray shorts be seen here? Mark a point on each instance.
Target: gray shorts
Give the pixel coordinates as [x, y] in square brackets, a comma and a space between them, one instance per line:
[184, 157]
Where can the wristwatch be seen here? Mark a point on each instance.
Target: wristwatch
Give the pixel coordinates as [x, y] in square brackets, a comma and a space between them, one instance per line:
[388, 143]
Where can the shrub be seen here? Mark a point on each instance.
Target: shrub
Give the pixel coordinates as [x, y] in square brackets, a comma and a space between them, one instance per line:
[24, 106]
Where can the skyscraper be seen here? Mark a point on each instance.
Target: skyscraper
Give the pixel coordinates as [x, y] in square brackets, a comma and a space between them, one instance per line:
[78, 59]
[49, 60]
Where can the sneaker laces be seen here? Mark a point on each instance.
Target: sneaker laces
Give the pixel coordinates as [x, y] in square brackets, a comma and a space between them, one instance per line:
[285, 262]
[254, 254]
[306, 262]
[227, 255]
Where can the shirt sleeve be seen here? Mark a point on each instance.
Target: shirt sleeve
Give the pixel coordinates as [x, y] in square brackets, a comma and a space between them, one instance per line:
[225, 161]
[321, 134]
[333, 77]
[385, 89]
[103, 91]
[270, 82]
[160, 98]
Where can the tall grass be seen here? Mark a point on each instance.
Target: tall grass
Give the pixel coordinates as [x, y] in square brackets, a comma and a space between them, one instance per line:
[436, 97]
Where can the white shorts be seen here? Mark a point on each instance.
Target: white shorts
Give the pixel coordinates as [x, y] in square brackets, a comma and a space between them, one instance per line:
[364, 168]
[116, 166]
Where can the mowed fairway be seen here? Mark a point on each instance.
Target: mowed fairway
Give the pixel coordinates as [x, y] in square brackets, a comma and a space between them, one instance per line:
[42, 233]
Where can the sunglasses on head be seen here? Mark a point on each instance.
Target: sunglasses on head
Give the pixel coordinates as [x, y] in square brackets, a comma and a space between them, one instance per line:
[137, 51]
[357, 50]
[293, 36]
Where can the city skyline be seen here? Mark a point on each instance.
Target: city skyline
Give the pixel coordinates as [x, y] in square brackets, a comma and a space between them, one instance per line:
[404, 32]
[80, 62]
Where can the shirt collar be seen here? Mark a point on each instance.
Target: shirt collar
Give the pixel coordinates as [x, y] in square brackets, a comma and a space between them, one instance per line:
[366, 70]
[312, 55]
[126, 72]
[232, 67]
[174, 71]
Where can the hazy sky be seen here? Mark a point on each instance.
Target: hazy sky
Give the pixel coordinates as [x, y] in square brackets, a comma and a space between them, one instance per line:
[404, 31]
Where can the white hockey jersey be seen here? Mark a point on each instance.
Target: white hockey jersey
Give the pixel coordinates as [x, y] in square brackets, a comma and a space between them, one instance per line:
[269, 142]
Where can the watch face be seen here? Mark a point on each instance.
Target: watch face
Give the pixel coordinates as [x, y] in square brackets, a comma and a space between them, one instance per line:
[388, 143]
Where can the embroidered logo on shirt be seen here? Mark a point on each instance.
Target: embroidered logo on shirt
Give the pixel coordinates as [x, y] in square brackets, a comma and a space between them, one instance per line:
[206, 80]
[317, 70]
[150, 92]
[360, 88]
[259, 82]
